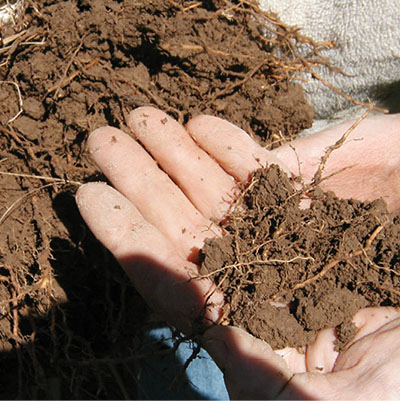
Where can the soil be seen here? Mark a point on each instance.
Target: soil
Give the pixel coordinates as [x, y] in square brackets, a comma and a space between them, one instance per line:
[288, 272]
[68, 313]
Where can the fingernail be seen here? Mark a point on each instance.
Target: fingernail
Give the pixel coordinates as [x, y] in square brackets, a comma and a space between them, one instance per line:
[101, 136]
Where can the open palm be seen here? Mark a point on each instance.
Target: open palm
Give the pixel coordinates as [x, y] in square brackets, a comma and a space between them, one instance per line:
[165, 201]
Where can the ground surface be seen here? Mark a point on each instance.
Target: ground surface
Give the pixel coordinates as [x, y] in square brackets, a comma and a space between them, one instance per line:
[68, 315]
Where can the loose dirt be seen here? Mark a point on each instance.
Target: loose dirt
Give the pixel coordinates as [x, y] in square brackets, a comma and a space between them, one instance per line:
[289, 272]
[67, 312]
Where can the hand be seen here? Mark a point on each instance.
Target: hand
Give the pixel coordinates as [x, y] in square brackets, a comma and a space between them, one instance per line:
[156, 220]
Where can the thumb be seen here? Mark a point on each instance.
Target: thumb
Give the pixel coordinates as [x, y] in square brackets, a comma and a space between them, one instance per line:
[252, 370]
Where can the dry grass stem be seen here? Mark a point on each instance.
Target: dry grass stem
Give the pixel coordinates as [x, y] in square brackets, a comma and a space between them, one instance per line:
[14, 205]
[42, 177]
[52, 181]
[20, 101]
[9, 39]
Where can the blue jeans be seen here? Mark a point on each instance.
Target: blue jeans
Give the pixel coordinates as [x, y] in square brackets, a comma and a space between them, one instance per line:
[202, 379]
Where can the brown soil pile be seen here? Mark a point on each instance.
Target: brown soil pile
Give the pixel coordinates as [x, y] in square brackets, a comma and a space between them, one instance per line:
[67, 312]
[288, 272]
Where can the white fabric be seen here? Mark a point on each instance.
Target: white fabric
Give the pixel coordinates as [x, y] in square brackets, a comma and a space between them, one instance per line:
[366, 34]
[10, 11]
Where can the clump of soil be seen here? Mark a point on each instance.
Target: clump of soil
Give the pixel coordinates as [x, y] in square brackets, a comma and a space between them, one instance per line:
[93, 62]
[288, 272]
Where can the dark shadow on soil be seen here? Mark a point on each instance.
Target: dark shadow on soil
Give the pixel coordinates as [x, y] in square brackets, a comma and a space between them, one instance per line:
[90, 339]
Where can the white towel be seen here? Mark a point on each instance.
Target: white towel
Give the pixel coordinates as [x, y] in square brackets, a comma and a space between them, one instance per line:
[366, 34]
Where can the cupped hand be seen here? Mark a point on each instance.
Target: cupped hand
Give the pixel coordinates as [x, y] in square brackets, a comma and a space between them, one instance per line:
[171, 189]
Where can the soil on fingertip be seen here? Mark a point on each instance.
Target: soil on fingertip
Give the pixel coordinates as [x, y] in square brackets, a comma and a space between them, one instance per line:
[288, 272]
[68, 314]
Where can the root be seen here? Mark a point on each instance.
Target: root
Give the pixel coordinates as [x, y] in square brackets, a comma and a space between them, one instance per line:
[317, 179]
[254, 262]
[334, 263]
[274, 250]
[64, 79]
[234, 67]
[282, 60]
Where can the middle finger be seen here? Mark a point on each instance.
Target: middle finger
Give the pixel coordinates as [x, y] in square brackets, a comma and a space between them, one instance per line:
[200, 177]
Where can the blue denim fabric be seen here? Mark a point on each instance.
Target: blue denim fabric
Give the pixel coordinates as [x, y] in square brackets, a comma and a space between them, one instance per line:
[202, 380]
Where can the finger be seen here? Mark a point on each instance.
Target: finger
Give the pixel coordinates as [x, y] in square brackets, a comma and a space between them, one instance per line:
[374, 355]
[294, 359]
[366, 166]
[203, 181]
[368, 320]
[149, 259]
[136, 175]
[321, 355]
[232, 147]
[252, 370]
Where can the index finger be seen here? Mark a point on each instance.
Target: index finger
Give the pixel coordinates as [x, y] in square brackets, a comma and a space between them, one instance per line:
[162, 277]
